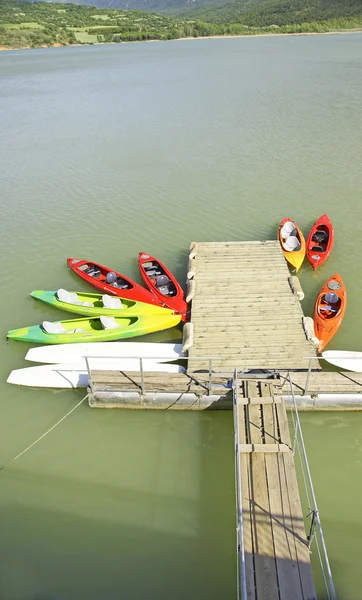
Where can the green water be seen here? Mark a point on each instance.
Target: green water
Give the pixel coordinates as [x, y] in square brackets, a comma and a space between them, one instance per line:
[106, 151]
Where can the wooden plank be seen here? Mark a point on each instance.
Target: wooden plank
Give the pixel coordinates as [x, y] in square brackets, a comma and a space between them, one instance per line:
[283, 535]
[263, 448]
[265, 565]
[265, 323]
[284, 546]
[283, 427]
[263, 400]
[303, 556]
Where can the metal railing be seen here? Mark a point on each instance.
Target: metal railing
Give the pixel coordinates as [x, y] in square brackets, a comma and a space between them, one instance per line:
[192, 373]
[240, 550]
[144, 361]
[315, 536]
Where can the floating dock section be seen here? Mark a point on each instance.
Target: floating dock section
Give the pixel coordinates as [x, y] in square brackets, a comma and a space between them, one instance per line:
[244, 308]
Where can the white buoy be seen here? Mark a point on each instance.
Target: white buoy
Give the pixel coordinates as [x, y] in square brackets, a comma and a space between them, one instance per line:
[296, 287]
[188, 337]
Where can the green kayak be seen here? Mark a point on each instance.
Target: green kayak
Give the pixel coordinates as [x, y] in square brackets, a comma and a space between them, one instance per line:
[93, 305]
[97, 329]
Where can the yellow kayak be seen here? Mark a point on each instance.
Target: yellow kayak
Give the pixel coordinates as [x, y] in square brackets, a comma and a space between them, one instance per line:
[292, 242]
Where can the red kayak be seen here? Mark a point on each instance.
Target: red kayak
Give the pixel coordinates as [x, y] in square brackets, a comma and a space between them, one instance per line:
[320, 241]
[162, 283]
[110, 281]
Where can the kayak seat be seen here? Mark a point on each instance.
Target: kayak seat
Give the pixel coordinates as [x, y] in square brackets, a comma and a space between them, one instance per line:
[50, 327]
[154, 272]
[331, 298]
[164, 290]
[68, 297]
[162, 280]
[318, 249]
[320, 236]
[292, 243]
[109, 322]
[121, 284]
[287, 229]
[93, 272]
[330, 308]
[111, 302]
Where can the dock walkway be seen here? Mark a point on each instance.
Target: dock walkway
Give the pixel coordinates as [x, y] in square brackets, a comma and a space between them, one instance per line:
[277, 558]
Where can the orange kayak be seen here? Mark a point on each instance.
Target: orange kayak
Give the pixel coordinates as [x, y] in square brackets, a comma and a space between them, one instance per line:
[329, 309]
[292, 242]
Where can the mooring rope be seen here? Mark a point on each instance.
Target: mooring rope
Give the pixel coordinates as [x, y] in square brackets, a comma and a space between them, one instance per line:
[302, 270]
[44, 434]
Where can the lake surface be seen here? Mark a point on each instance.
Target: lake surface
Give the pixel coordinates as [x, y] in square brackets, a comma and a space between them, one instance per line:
[109, 150]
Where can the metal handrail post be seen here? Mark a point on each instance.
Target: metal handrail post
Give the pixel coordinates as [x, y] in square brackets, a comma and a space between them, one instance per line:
[142, 378]
[90, 381]
[210, 376]
[308, 377]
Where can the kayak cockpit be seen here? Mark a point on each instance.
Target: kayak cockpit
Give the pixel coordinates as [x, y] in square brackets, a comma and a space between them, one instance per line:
[330, 305]
[158, 276]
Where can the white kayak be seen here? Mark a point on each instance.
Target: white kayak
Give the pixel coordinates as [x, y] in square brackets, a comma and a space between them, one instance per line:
[70, 353]
[75, 375]
[345, 359]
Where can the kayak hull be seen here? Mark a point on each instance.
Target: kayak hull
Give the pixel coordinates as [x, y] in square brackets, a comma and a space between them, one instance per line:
[96, 275]
[170, 293]
[320, 241]
[91, 305]
[345, 359]
[75, 375]
[328, 317]
[294, 257]
[71, 353]
[90, 329]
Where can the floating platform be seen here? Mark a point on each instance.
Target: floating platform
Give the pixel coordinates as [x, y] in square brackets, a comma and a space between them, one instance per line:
[246, 316]
[244, 309]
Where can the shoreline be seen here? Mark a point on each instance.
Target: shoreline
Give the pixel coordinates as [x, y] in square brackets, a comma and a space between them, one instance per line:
[206, 37]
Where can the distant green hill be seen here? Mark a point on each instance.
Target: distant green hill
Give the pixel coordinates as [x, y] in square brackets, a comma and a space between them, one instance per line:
[263, 13]
[33, 24]
[30, 25]
[251, 12]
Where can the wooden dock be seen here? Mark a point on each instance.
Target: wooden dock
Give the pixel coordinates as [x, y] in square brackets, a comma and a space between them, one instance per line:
[243, 309]
[246, 318]
[277, 558]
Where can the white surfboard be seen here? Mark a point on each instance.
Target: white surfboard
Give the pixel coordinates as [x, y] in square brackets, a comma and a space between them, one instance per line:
[75, 375]
[345, 359]
[70, 353]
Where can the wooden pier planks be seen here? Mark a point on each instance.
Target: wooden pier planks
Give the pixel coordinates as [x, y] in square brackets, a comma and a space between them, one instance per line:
[276, 555]
[244, 309]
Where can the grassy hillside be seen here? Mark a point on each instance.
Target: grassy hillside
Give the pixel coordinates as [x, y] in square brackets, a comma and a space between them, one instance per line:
[30, 25]
[252, 12]
[263, 13]
[37, 24]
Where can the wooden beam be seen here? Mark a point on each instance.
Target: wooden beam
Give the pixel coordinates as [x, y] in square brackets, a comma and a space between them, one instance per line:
[263, 448]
